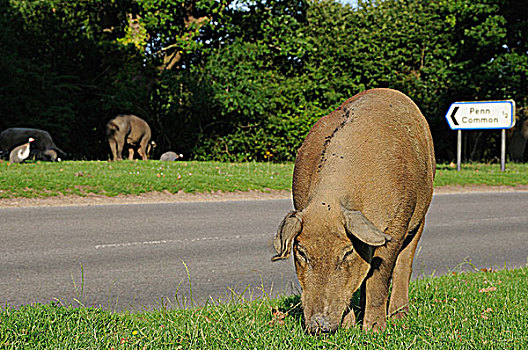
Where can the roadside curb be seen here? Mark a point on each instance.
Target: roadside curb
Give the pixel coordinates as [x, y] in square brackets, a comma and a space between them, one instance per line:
[182, 197]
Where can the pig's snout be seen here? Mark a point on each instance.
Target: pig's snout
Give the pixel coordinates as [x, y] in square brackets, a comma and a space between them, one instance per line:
[320, 324]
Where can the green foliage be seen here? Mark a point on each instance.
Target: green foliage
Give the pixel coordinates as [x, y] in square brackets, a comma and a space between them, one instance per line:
[245, 80]
[436, 52]
[483, 310]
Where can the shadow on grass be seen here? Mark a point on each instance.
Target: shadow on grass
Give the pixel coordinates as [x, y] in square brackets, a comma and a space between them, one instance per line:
[292, 306]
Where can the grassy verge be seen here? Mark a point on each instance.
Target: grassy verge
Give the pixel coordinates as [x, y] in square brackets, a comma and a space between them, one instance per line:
[483, 310]
[130, 177]
[482, 174]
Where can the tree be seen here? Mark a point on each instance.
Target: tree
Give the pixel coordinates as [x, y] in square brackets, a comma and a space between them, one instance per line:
[245, 80]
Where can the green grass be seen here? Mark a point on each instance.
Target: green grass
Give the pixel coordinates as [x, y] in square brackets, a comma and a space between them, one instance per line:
[482, 174]
[130, 177]
[82, 178]
[483, 310]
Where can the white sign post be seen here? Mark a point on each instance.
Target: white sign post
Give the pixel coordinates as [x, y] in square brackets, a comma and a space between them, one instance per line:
[481, 115]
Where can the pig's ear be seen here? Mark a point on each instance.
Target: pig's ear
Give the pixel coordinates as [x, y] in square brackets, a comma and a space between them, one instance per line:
[359, 226]
[289, 228]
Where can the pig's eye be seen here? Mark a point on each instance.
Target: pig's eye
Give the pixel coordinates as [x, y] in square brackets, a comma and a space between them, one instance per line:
[301, 253]
[348, 253]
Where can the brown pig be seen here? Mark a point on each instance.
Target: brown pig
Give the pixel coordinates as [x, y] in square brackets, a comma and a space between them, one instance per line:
[131, 132]
[362, 184]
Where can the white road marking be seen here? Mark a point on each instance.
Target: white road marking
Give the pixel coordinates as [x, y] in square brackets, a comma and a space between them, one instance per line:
[173, 241]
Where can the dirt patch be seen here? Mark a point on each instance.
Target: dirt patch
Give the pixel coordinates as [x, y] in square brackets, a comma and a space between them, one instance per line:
[167, 197]
[150, 197]
[479, 188]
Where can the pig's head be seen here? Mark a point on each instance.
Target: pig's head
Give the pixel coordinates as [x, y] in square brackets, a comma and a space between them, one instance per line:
[332, 253]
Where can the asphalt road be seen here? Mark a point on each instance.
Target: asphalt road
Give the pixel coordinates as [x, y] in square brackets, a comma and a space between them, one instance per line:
[138, 257]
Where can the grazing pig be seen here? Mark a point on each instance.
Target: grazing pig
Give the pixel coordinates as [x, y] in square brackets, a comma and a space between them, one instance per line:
[132, 132]
[362, 183]
[43, 147]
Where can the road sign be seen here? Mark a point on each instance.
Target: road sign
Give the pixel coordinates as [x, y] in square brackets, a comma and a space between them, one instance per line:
[481, 115]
